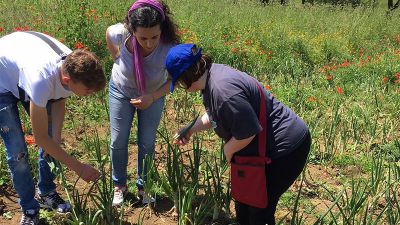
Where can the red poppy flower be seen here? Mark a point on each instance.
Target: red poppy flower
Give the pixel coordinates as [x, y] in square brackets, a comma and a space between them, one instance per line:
[79, 45]
[361, 52]
[234, 50]
[339, 90]
[346, 63]
[311, 99]
[30, 140]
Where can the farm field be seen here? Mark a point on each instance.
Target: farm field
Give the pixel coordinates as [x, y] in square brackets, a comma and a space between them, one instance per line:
[337, 67]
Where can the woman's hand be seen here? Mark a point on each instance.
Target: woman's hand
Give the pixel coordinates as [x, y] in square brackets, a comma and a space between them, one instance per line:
[234, 145]
[228, 155]
[143, 102]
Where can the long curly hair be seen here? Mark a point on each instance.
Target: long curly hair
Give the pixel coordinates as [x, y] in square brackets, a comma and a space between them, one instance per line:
[148, 17]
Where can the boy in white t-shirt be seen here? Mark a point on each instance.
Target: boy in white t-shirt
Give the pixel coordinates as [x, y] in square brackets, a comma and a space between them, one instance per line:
[31, 72]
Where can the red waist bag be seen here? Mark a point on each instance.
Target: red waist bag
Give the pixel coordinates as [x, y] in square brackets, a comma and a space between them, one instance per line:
[248, 178]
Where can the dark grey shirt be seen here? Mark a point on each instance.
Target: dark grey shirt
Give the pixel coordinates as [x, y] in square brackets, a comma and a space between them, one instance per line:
[232, 101]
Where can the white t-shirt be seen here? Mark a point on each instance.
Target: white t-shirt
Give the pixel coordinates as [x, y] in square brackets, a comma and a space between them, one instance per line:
[28, 62]
[153, 65]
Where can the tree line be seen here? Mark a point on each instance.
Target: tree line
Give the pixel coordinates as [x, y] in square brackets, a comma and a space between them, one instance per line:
[391, 5]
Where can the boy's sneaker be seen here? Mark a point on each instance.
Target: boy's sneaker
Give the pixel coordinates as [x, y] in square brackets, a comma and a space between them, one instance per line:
[29, 217]
[53, 201]
[119, 193]
[146, 199]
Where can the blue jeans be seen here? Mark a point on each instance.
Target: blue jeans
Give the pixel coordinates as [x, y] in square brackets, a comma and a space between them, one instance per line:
[121, 117]
[17, 154]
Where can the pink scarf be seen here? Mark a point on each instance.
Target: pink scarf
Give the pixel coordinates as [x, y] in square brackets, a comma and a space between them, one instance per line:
[137, 57]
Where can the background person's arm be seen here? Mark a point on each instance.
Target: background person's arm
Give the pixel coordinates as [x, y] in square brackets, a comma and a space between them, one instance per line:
[38, 116]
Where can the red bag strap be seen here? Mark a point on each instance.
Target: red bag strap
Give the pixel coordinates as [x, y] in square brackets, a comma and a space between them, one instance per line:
[263, 121]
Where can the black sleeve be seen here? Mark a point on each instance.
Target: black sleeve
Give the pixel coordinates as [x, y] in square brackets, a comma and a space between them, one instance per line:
[239, 118]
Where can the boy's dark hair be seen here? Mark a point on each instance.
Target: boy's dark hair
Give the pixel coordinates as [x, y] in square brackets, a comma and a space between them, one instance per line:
[147, 17]
[84, 66]
[195, 71]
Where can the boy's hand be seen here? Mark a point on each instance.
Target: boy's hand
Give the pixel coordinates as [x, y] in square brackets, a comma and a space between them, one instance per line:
[88, 173]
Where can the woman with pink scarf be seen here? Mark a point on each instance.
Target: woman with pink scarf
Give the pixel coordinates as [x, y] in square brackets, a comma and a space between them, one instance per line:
[138, 84]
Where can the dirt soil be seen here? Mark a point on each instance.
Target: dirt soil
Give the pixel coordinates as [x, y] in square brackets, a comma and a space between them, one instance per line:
[10, 211]
[160, 214]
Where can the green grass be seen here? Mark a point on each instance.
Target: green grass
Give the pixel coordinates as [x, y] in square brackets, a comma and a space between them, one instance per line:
[334, 66]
